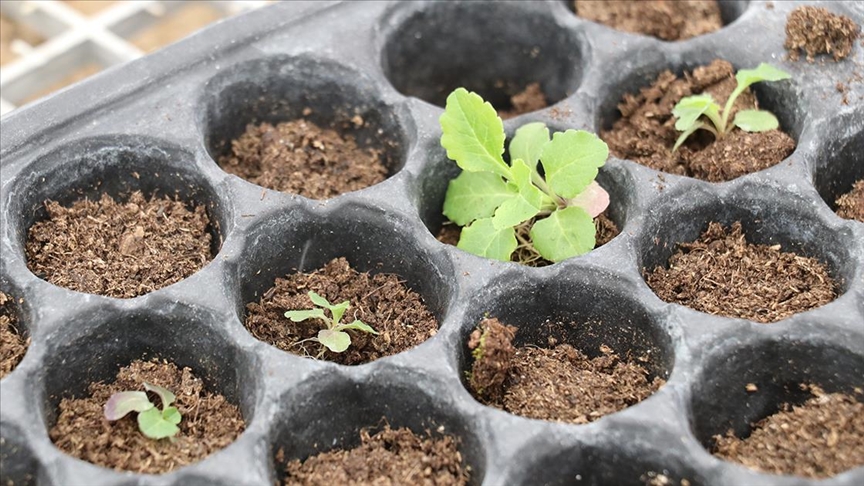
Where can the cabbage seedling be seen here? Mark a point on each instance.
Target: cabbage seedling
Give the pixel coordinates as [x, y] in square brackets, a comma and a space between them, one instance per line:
[691, 112]
[152, 422]
[334, 336]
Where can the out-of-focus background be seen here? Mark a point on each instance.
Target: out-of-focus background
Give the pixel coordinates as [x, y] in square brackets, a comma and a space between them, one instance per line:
[46, 45]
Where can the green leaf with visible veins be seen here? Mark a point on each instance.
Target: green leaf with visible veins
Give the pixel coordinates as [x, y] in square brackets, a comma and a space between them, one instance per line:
[565, 233]
[755, 121]
[525, 205]
[571, 161]
[689, 109]
[473, 134]
[528, 143]
[481, 238]
[336, 341]
[474, 195]
[763, 72]
[154, 425]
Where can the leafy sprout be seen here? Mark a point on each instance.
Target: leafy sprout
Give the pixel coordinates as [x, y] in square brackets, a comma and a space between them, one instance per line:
[496, 203]
[701, 112]
[152, 422]
[333, 337]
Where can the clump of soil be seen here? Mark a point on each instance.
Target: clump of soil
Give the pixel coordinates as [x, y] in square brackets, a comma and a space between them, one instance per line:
[382, 301]
[530, 99]
[665, 19]
[558, 383]
[388, 457]
[209, 422]
[816, 30]
[721, 273]
[119, 249]
[851, 204]
[301, 158]
[12, 344]
[820, 438]
[646, 132]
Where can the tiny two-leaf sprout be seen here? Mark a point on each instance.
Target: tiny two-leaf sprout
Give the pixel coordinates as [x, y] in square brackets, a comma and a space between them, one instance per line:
[701, 112]
[333, 337]
[152, 422]
[498, 203]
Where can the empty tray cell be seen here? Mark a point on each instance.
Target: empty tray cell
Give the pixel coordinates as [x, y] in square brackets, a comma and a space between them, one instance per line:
[16, 40]
[17, 462]
[838, 170]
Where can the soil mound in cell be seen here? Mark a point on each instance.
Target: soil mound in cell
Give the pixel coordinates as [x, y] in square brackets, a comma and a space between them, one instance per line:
[816, 30]
[12, 344]
[665, 19]
[851, 204]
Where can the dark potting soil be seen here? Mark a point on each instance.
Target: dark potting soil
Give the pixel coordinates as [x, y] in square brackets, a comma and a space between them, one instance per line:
[119, 249]
[530, 99]
[12, 344]
[646, 132]
[822, 437]
[382, 301]
[302, 158]
[665, 19]
[389, 457]
[721, 273]
[209, 422]
[558, 383]
[851, 204]
[816, 30]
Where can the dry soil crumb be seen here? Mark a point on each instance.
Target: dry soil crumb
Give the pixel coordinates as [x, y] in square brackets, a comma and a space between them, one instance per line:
[12, 344]
[119, 249]
[665, 19]
[851, 204]
[209, 422]
[822, 437]
[388, 457]
[816, 30]
[722, 274]
[528, 100]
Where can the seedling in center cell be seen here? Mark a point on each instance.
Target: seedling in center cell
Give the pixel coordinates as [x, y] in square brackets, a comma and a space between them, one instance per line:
[689, 112]
[152, 422]
[334, 336]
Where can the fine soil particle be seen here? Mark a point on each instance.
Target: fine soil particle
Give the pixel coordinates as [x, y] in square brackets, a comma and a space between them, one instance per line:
[820, 438]
[388, 457]
[301, 158]
[12, 344]
[665, 19]
[528, 100]
[816, 30]
[558, 383]
[119, 249]
[851, 204]
[382, 301]
[10, 32]
[722, 274]
[646, 132]
[209, 422]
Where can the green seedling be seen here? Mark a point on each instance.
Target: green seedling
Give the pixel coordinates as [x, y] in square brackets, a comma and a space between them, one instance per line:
[701, 112]
[333, 337]
[497, 203]
[152, 422]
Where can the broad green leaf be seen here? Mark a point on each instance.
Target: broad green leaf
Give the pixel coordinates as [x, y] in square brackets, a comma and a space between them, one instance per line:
[689, 109]
[481, 238]
[153, 425]
[336, 341]
[357, 325]
[528, 143]
[122, 403]
[755, 121]
[594, 200]
[565, 233]
[339, 309]
[472, 133]
[571, 161]
[319, 300]
[763, 72]
[172, 415]
[474, 195]
[525, 205]
[302, 315]
[164, 394]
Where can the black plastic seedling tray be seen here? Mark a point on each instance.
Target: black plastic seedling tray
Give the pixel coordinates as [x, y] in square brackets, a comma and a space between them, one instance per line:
[158, 123]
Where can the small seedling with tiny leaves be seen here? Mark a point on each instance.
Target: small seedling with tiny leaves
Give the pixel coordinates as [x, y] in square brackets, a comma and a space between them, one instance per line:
[691, 112]
[498, 203]
[152, 422]
[333, 337]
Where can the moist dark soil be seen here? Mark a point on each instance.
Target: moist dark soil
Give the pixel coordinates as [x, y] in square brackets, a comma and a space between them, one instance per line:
[119, 249]
[665, 19]
[382, 301]
[822, 437]
[302, 158]
[559, 383]
[851, 204]
[12, 344]
[209, 422]
[722, 274]
[530, 99]
[389, 457]
[646, 132]
[816, 30]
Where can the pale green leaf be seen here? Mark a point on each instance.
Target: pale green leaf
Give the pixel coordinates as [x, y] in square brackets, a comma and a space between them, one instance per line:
[154, 426]
[319, 300]
[528, 143]
[565, 233]
[472, 133]
[689, 109]
[686, 133]
[481, 238]
[755, 121]
[339, 309]
[525, 205]
[357, 325]
[171, 414]
[121, 403]
[763, 72]
[571, 161]
[164, 393]
[474, 195]
[336, 341]
[302, 315]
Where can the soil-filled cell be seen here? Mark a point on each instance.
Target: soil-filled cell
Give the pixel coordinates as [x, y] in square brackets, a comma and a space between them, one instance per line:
[14, 338]
[838, 172]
